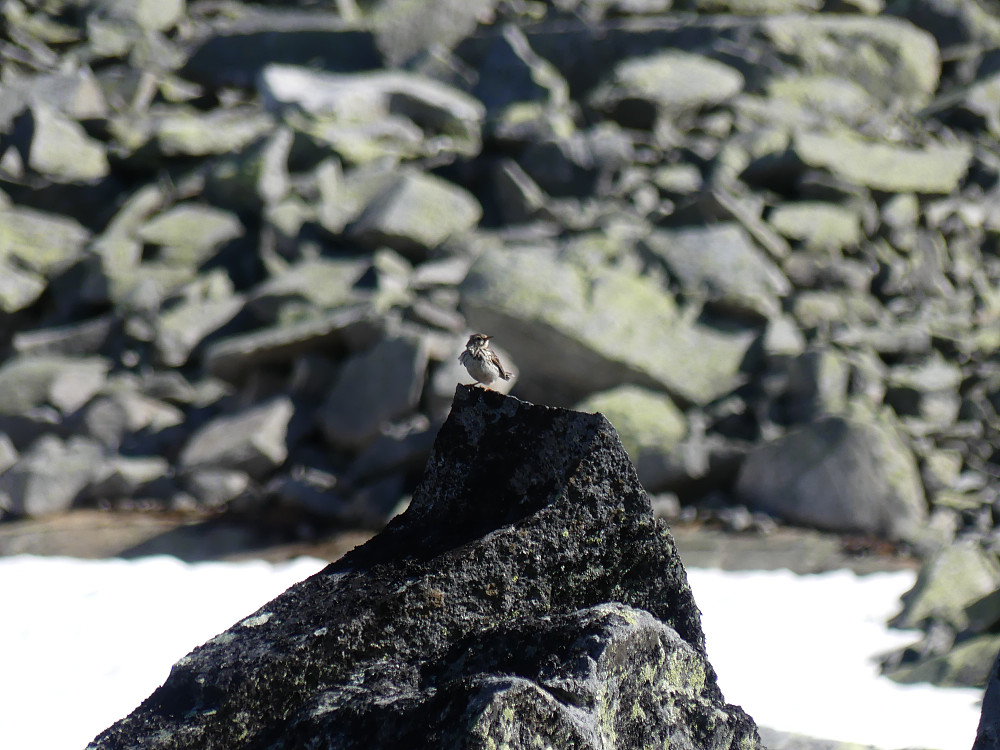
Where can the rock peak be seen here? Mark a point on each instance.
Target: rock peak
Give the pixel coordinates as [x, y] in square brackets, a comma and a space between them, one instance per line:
[527, 595]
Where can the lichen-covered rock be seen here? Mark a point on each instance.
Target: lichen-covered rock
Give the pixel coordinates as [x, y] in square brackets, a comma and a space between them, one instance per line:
[527, 597]
[576, 330]
[840, 474]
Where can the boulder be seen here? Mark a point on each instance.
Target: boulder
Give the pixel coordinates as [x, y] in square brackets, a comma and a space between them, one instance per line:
[254, 440]
[416, 213]
[59, 148]
[43, 242]
[190, 234]
[721, 264]
[526, 597]
[66, 383]
[49, 477]
[839, 473]
[373, 388]
[575, 330]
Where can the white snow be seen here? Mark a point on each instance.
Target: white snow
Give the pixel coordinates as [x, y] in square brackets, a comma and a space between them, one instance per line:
[82, 642]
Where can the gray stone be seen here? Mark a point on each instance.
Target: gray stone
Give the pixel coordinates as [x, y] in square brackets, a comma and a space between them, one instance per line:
[885, 166]
[415, 214]
[966, 664]
[818, 226]
[368, 115]
[839, 474]
[66, 383]
[928, 390]
[190, 233]
[182, 132]
[374, 388]
[78, 339]
[721, 264]
[122, 411]
[668, 82]
[348, 329]
[890, 58]
[403, 28]
[75, 93]
[59, 148]
[323, 284]
[126, 477]
[574, 330]
[951, 579]
[254, 440]
[216, 488]
[648, 423]
[149, 15]
[182, 328]
[42, 242]
[818, 382]
[49, 477]
[516, 589]
[19, 287]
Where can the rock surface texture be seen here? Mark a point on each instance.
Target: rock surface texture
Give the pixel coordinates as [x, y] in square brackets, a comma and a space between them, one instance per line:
[527, 598]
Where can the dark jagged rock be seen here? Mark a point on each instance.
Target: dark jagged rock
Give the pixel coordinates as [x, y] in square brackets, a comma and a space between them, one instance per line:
[526, 596]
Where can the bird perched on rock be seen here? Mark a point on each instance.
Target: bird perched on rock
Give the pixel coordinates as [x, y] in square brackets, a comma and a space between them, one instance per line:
[481, 361]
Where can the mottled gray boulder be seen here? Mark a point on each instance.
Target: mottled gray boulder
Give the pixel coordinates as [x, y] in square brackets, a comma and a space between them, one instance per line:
[373, 388]
[927, 390]
[190, 233]
[49, 477]
[640, 89]
[404, 28]
[322, 283]
[19, 287]
[57, 147]
[362, 114]
[339, 330]
[838, 474]
[415, 214]
[121, 411]
[576, 330]
[885, 166]
[183, 132]
[721, 264]
[951, 579]
[182, 327]
[75, 92]
[254, 440]
[44, 242]
[817, 226]
[66, 383]
[526, 597]
[892, 59]
[126, 477]
[254, 178]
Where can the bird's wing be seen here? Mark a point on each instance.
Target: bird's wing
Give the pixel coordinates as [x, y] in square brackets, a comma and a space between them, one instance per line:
[496, 360]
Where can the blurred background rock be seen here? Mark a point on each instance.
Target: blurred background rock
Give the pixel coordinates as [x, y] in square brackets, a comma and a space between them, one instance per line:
[242, 244]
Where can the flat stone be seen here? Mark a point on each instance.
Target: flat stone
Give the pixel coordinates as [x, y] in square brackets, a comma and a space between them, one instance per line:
[720, 263]
[126, 477]
[181, 132]
[354, 111]
[78, 339]
[669, 82]
[66, 383]
[59, 148]
[877, 488]
[322, 283]
[340, 330]
[254, 440]
[818, 226]
[415, 214]
[607, 327]
[49, 477]
[19, 288]
[190, 233]
[182, 328]
[373, 388]
[41, 241]
[885, 166]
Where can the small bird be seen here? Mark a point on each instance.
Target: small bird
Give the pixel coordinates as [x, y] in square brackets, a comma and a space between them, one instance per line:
[481, 361]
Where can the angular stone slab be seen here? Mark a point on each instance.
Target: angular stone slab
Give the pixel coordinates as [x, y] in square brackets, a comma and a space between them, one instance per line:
[574, 331]
[885, 166]
[526, 598]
